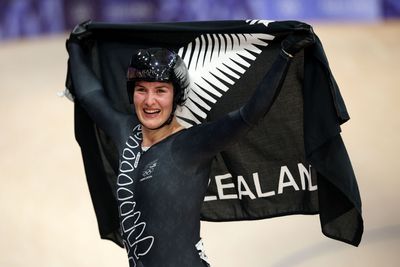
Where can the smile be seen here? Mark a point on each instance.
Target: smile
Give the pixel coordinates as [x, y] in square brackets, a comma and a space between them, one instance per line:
[151, 111]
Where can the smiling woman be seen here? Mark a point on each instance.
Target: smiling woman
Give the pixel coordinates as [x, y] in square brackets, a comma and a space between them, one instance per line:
[160, 189]
[153, 104]
[158, 79]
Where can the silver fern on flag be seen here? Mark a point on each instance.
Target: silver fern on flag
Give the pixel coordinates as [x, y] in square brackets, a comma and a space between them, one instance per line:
[259, 21]
[215, 62]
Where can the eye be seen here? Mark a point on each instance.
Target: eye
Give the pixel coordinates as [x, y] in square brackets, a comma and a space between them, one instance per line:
[139, 89]
[161, 90]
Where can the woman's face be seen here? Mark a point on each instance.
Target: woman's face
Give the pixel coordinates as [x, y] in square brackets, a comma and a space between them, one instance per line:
[153, 102]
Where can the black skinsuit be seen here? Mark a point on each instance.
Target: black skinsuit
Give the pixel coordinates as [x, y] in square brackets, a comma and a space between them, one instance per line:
[160, 196]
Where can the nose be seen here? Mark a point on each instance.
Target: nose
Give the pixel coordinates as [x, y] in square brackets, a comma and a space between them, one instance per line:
[149, 99]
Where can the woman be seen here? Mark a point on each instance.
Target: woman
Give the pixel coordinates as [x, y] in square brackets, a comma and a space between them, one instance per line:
[164, 168]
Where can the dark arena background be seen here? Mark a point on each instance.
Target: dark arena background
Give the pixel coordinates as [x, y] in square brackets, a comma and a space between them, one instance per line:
[47, 218]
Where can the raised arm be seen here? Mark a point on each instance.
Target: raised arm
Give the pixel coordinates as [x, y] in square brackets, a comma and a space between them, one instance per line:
[270, 86]
[213, 137]
[89, 93]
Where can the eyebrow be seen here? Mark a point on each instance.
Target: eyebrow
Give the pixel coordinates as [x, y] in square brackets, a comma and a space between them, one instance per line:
[157, 87]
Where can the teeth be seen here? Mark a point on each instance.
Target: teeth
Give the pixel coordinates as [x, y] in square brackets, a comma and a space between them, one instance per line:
[151, 111]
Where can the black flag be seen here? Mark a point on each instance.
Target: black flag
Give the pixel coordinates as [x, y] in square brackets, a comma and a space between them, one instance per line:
[293, 162]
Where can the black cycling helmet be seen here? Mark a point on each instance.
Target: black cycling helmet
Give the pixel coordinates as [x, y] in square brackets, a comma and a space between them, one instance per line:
[159, 65]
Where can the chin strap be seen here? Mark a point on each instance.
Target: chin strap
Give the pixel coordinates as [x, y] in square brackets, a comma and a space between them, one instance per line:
[169, 120]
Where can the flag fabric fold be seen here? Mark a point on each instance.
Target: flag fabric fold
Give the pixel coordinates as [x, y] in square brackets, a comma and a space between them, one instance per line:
[293, 162]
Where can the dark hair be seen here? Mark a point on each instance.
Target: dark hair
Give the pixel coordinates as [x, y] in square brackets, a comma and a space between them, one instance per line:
[159, 65]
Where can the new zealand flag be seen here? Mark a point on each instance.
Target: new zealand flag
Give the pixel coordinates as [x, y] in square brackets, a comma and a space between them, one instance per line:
[293, 162]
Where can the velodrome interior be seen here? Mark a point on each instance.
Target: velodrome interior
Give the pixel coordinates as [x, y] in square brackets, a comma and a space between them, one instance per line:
[47, 217]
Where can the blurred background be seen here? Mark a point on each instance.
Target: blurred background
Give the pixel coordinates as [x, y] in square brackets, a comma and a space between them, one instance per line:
[47, 217]
[21, 18]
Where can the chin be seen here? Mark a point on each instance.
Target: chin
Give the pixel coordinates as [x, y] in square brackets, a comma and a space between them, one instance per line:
[153, 123]
[150, 124]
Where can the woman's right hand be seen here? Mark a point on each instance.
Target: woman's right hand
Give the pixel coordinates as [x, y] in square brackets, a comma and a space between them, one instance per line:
[78, 34]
